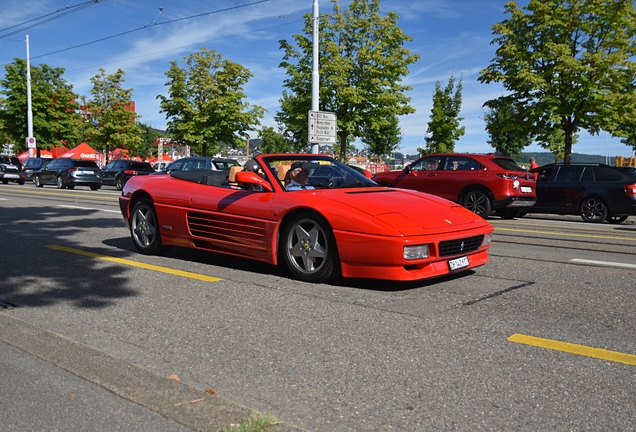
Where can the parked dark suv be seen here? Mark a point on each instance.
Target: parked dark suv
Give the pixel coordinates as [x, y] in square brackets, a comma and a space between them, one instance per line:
[596, 192]
[31, 165]
[481, 183]
[118, 172]
[68, 173]
[11, 170]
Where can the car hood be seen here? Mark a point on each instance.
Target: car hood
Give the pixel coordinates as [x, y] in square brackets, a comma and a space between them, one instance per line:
[409, 212]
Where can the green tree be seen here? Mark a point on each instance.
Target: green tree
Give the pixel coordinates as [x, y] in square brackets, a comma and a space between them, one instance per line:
[113, 112]
[507, 136]
[444, 126]
[362, 62]
[383, 140]
[55, 116]
[273, 142]
[205, 106]
[569, 66]
[148, 135]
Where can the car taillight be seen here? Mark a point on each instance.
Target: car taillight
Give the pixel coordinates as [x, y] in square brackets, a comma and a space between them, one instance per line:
[70, 170]
[131, 172]
[630, 190]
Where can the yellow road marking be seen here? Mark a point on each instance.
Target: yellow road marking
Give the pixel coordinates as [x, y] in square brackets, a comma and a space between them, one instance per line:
[565, 234]
[571, 348]
[137, 264]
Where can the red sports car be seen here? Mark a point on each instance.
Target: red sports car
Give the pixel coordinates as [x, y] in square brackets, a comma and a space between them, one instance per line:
[316, 215]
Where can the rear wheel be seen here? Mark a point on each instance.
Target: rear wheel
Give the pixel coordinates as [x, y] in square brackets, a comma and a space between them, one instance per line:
[593, 210]
[119, 183]
[309, 248]
[95, 187]
[478, 202]
[616, 219]
[60, 183]
[144, 228]
[5, 181]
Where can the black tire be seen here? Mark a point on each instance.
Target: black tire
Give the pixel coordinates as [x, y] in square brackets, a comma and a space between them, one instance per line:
[478, 202]
[144, 228]
[5, 181]
[21, 182]
[37, 181]
[95, 187]
[593, 209]
[60, 183]
[119, 183]
[509, 213]
[309, 248]
[616, 219]
[70, 186]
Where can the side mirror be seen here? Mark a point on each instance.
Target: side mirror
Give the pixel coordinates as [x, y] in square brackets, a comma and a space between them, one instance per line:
[407, 169]
[250, 177]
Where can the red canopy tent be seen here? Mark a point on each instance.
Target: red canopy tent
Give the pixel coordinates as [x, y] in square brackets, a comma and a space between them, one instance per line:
[45, 154]
[82, 151]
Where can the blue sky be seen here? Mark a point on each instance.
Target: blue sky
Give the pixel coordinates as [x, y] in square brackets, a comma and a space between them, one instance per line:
[452, 37]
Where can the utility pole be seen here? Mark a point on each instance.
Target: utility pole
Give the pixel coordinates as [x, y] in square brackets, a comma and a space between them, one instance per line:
[31, 145]
[315, 75]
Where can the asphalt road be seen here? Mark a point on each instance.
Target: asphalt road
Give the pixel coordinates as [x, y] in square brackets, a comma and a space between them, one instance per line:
[353, 355]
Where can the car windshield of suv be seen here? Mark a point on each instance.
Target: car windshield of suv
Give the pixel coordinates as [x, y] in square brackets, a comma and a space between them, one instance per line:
[10, 160]
[139, 165]
[507, 164]
[85, 164]
[224, 164]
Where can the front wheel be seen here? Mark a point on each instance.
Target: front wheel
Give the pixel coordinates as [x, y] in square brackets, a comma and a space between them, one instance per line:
[593, 210]
[616, 219]
[309, 248]
[509, 213]
[144, 228]
[478, 202]
[60, 183]
[37, 181]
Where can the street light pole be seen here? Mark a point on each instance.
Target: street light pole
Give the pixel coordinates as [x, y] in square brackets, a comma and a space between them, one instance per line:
[29, 111]
[315, 75]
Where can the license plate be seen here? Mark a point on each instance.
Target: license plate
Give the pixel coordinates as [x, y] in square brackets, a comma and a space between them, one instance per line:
[87, 172]
[458, 263]
[11, 176]
[526, 189]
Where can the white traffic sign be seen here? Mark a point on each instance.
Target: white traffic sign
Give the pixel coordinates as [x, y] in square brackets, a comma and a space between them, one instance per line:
[30, 142]
[322, 127]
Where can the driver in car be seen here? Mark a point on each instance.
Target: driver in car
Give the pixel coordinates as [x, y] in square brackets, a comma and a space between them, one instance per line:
[299, 177]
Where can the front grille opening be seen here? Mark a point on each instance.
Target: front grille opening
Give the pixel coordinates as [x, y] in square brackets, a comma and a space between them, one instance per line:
[460, 246]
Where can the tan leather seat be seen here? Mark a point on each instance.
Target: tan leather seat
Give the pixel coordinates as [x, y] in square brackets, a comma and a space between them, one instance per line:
[231, 178]
[282, 172]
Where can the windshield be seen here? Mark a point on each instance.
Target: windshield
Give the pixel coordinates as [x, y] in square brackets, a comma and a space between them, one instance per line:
[507, 164]
[315, 172]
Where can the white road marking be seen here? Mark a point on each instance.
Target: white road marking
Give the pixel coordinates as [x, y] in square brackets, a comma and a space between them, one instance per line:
[89, 208]
[604, 263]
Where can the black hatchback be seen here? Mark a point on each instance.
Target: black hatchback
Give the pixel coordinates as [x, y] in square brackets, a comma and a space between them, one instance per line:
[117, 173]
[68, 173]
[31, 165]
[596, 192]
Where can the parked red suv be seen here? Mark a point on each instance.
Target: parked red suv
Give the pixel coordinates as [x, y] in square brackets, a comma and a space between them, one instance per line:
[481, 183]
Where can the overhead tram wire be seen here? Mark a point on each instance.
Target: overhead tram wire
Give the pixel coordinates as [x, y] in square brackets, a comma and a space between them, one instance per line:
[151, 25]
[183, 46]
[67, 11]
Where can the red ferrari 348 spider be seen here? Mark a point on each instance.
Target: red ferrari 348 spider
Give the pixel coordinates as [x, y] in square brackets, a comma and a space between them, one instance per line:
[316, 215]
